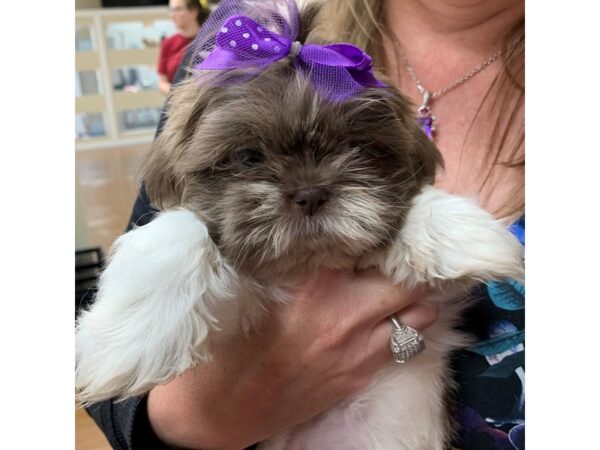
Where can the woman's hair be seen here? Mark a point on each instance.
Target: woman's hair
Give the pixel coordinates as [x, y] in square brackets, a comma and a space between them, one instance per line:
[194, 5]
[362, 22]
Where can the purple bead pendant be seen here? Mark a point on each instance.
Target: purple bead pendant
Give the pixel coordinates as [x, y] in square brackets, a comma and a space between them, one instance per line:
[426, 124]
[425, 118]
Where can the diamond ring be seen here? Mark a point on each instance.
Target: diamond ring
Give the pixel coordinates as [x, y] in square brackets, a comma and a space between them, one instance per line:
[405, 342]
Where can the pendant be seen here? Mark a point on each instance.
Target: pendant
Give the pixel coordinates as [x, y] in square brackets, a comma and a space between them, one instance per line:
[425, 118]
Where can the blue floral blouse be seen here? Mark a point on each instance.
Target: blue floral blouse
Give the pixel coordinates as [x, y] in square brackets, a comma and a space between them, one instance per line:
[491, 373]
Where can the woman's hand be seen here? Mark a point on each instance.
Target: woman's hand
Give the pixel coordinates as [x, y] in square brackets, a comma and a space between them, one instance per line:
[325, 345]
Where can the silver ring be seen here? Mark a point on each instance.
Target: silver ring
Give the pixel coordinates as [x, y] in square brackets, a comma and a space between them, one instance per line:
[405, 342]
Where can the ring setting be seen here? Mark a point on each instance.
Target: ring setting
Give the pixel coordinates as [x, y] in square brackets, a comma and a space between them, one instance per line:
[405, 342]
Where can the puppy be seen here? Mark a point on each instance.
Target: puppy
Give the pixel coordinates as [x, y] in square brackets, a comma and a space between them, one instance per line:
[264, 181]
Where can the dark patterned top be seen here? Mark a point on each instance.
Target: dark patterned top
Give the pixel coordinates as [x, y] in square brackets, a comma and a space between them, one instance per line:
[491, 373]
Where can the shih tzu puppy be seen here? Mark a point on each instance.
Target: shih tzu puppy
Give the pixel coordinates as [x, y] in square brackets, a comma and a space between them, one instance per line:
[264, 176]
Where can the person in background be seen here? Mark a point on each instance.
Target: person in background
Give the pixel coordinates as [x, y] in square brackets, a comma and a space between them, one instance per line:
[187, 16]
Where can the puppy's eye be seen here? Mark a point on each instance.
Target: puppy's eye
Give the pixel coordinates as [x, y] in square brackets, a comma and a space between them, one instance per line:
[248, 157]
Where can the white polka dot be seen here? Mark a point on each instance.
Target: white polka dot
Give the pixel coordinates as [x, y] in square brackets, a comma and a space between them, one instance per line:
[254, 46]
[259, 29]
[232, 43]
[276, 48]
[224, 30]
[246, 35]
[267, 39]
[238, 23]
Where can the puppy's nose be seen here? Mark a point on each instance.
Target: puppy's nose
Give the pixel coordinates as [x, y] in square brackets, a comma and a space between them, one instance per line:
[310, 199]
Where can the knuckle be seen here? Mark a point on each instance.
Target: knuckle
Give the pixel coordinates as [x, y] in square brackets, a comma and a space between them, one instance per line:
[397, 296]
[432, 314]
[330, 339]
[321, 349]
[333, 333]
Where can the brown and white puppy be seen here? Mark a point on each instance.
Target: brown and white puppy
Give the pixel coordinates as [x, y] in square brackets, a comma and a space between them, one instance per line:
[262, 182]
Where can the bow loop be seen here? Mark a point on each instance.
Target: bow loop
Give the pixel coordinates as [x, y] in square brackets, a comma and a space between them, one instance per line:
[340, 70]
[243, 42]
[337, 55]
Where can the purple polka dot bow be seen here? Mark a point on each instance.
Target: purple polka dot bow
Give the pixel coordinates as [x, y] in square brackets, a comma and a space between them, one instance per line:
[337, 70]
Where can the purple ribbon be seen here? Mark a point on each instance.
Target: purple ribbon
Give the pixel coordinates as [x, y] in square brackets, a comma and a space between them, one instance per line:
[337, 70]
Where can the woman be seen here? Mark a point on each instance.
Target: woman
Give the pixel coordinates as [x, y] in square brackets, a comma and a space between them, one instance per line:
[187, 16]
[243, 398]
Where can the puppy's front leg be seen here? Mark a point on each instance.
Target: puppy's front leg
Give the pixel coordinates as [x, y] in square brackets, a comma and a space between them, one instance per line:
[165, 288]
[449, 240]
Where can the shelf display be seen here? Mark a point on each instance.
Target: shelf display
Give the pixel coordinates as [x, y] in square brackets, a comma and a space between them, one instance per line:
[140, 119]
[134, 79]
[89, 125]
[117, 101]
[137, 35]
[83, 39]
[87, 83]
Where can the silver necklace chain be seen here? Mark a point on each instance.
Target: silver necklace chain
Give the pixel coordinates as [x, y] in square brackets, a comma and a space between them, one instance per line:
[425, 118]
[470, 74]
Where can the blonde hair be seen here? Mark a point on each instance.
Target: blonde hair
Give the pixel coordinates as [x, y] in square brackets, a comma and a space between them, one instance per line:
[362, 22]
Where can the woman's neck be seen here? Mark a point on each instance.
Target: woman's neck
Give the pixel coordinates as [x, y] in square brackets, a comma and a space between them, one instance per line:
[451, 16]
[442, 39]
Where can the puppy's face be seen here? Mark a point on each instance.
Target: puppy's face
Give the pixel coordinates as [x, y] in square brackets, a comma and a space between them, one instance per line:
[285, 178]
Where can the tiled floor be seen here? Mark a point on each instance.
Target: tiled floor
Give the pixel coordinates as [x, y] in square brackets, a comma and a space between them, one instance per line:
[106, 186]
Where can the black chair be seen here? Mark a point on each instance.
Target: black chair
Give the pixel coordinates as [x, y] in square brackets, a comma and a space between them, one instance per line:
[88, 266]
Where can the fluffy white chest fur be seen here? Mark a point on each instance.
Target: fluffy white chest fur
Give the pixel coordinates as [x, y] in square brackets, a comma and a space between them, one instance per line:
[169, 277]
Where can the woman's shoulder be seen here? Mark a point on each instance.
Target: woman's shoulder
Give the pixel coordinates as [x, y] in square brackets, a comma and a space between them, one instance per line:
[173, 41]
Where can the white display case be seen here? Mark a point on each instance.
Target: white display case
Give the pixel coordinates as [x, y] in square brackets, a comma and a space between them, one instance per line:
[117, 101]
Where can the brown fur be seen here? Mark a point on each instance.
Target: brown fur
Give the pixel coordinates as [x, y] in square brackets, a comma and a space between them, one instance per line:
[368, 152]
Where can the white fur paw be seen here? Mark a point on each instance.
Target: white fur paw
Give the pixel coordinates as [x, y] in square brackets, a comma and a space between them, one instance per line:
[446, 237]
[159, 297]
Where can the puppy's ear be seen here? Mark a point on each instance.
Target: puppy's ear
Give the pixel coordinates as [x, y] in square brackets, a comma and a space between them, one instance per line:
[386, 118]
[163, 181]
[425, 156]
